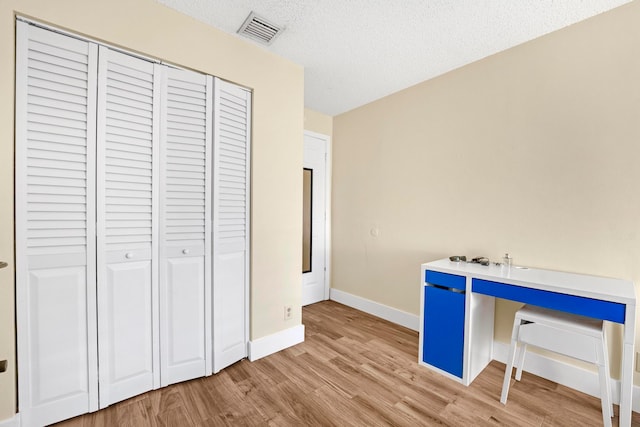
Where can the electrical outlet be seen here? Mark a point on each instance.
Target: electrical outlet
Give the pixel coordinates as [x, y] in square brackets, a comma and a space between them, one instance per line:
[288, 312]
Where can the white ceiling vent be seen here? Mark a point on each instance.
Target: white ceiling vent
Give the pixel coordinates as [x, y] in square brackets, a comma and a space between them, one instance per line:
[259, 29]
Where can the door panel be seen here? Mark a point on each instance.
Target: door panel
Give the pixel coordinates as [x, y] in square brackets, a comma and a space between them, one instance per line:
[126, 233]
[59, 340]
[127, 366]
[231, 344]
[231, 225]
[185, 226]
[185, 318]
[55, 225]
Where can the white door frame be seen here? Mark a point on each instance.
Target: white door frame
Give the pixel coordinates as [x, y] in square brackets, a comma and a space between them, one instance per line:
[327, 207]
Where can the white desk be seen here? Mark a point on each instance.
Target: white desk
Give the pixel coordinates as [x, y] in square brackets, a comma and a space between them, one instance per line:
[457, 312]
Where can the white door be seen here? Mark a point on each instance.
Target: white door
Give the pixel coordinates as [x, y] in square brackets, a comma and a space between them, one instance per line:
[126, 230]
[55, 225]
[185, 226]
[231, 199]
[314, 287]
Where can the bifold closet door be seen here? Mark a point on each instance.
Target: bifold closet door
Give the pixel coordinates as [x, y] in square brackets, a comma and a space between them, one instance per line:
[114, 172]
[231, 207]
[185, 212]
[127, 178]
[55, 225]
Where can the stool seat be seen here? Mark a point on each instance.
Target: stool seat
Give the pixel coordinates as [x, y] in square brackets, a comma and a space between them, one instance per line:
[572, 335]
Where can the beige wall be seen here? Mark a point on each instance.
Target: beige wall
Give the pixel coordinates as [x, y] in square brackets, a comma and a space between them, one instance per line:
[533, 151]
[318, 122]
[154, 30]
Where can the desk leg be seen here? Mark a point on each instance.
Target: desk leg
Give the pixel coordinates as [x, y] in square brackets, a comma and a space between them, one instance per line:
[626, 382]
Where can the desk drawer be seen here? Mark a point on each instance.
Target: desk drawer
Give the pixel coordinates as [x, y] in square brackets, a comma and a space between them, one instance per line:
[598, 309]
[445, 280]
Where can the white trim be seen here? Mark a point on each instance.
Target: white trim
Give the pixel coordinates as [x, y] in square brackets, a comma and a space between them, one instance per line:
[402, 318]
[155, 224]
[328, 147]
[91, 242]
[20, 206]
[566, 374]
[327, 222]
[249, 223]
[208, 230]
[273, 343]
[11, 422]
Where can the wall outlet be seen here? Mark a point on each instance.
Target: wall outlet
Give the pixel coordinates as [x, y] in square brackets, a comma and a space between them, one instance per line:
[288, 312]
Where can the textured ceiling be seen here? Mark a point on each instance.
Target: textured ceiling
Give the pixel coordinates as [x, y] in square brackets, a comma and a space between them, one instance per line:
[357, 51]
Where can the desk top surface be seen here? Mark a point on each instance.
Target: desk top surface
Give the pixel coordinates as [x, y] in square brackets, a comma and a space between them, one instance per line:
[601, 288]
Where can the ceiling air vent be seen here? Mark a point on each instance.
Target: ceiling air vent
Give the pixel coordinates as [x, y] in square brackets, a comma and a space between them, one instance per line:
[259, 29]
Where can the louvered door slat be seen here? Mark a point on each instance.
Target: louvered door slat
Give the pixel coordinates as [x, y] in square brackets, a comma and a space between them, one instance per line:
[127, 149]
[57, 98]
[230, 222]
[127, 122]
[41, 185]
[127, 185]
[39, 61]
[36, 135]
[52, 154]
[187, 171]
[185, 213]
[121, 100]
[55, 237]
[127, 138]
[56, 86]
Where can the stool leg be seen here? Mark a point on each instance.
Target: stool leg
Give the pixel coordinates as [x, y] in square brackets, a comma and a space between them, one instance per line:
[607, 378]
[512, 355]
[521, 352]
[607, 411]
[605, 391]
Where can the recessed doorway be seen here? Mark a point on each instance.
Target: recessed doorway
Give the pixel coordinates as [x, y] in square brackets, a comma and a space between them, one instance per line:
[315, 286]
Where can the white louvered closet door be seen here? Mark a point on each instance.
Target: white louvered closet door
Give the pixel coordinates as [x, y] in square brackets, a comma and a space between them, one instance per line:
[55, 225]
[126, 232]
[231, 221]
[185, 266]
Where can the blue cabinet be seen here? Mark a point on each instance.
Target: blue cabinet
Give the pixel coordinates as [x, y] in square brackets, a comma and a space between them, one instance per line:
[443, 317]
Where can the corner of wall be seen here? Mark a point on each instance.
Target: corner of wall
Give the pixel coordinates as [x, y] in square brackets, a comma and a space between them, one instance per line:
[318, 122]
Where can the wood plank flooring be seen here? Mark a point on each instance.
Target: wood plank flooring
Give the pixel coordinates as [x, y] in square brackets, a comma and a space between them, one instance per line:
[352, 370]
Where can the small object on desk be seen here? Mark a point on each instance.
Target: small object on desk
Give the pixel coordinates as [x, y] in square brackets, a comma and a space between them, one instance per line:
[481, 260]
[507, 260]
[458, 258]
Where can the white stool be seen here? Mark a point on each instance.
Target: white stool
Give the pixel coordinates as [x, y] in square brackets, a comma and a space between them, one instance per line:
[569, 334]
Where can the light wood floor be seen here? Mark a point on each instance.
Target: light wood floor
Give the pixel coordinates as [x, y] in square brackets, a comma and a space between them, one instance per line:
[352, 370]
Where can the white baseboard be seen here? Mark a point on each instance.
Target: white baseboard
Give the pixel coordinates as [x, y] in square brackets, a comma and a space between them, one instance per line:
[566, 374]
[11, 422]
[385, 312]
[275, 342]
